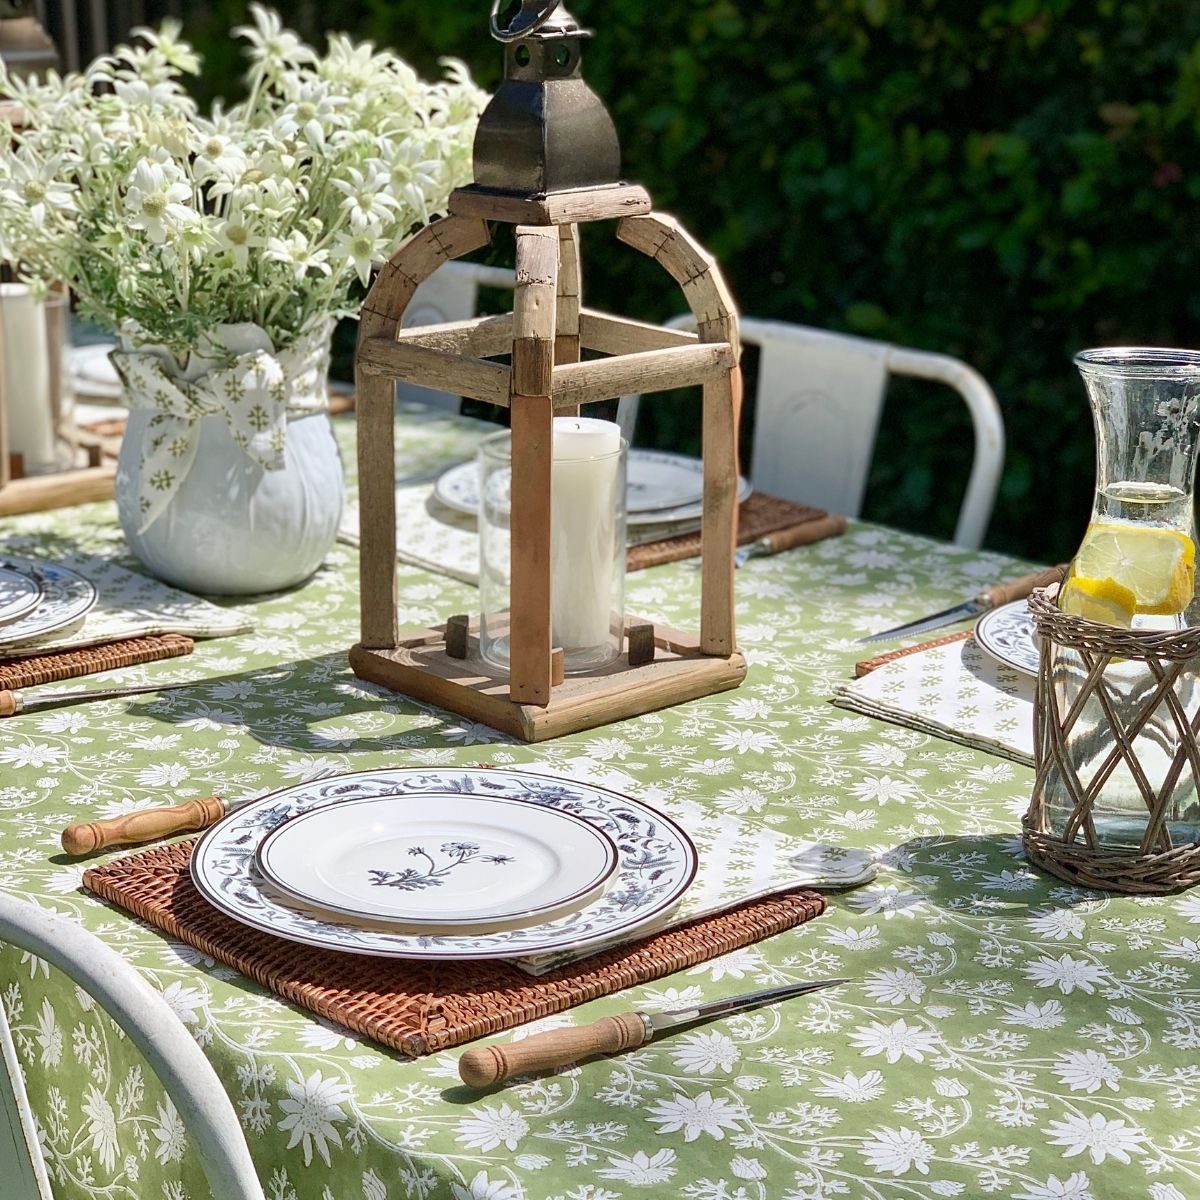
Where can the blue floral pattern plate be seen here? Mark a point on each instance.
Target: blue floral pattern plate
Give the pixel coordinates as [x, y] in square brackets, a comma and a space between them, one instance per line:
[656, 863]
[19, 595]
[440, 863]
[66, 598]
[1008, 635]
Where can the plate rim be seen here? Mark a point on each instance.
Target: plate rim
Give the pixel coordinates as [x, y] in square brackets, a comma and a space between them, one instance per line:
[32, 602]
[561, 906]
[994, 651]
[449, 954]
[676, 514]
[8, 642]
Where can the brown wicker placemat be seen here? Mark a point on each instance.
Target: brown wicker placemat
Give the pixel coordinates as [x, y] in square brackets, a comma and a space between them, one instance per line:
[757, 516]
[57, 665]
[420, 1007]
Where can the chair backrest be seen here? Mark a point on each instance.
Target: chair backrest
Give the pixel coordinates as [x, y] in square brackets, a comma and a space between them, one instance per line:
[819, 400]
[147, 1020]
[450, 294]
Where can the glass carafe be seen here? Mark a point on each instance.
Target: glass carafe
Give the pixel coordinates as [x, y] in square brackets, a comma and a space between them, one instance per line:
[1136, 569]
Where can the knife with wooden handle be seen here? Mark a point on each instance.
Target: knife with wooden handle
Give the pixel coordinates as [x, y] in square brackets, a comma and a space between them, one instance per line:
[989, 598]
[794, 536]
[145, 825]
[487, 1065]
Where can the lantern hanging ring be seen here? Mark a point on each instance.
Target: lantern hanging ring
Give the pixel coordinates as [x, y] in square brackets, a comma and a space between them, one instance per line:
[528, 19]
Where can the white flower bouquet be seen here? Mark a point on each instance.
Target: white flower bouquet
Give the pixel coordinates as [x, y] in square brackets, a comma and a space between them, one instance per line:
[171, 223]
[221, 249]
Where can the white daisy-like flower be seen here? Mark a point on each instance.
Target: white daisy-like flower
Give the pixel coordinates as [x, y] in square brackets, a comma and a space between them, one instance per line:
[895, 986]
[483, 1188]
[1048, 1015]
[703, 1053]
[1058, 924]
[32, 754]
[866, 938]
[737, 964]
[1087, 1071]
[854, 1089]
[362, 247]
[272, 45]
[299, 253]
[896, 1041]
[49, 1036]
[897, 1151]
[888, 901]
[489, 1127]
[368, 198]
[169, 1132]
[705, 1113]
[640, 1169]
[162, 775]
[156, 200]
[1066, 974]
[102, 1126]
[883, 789]
[33, 184]
[219, 156]
[311, 1109]
[1098, 1135]
[1075, 1187]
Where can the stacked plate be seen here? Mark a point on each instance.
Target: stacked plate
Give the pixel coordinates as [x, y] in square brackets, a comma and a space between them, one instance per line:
[40, 599]
[445, 864]
[664, 493]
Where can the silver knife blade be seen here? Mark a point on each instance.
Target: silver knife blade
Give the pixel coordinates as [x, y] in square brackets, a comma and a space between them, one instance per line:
[948, 616]
[734, 1004]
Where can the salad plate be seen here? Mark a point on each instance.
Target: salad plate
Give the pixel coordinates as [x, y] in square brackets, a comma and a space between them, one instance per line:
[66, 598]
[1007, 633]
[440, 863]
[656, 863]
[661, 488]
[19, 595]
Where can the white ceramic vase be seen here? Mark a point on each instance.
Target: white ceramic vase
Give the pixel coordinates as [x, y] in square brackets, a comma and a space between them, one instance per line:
[233, 526]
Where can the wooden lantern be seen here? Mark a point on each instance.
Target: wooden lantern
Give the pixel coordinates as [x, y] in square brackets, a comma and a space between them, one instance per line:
[546, 335]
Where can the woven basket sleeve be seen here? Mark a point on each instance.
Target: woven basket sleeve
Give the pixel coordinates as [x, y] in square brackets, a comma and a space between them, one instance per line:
[419, 1007]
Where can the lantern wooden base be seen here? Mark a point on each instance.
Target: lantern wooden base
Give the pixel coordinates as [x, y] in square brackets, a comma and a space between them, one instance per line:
[420, 667]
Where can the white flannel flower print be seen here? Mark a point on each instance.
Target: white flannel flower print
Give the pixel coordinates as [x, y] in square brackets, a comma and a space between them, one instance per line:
[169, 1133]
[312, 1109]
[488, 1128]
[895, 1041]
[898, 1151]
[102, 1126]
[640, 1169]
[1074, 1187]
[483, 1188]
[49, 1036]
[1087, 1071]
[851, 1088]
[1065, 973]
[1099, 1136]
[705, 1053]
[703, 1114]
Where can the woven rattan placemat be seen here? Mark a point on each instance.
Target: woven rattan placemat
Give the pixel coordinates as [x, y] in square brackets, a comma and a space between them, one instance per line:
[55, 666]
[422, 1007]
[759, 515]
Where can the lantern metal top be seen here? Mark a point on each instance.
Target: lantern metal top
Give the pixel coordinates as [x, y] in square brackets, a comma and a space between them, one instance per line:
[545, 130]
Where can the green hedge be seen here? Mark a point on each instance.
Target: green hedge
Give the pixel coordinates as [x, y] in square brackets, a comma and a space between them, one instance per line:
[1007, 182]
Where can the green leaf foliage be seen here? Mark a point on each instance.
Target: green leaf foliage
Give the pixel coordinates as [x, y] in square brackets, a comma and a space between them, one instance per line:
[1006, 181]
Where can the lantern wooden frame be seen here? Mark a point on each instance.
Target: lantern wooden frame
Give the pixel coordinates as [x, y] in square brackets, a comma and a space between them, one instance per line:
[545, 335]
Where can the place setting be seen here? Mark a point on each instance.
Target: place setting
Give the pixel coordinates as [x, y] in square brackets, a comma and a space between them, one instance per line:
[546, 889]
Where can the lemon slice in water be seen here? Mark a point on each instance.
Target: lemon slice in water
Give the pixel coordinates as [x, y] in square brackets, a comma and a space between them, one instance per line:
[1158, 566]
[1102, 600]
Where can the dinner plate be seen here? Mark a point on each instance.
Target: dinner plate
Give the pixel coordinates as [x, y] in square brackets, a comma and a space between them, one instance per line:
[19, 595]
[67, 597]
[1007, 633]
[656, 862]
[438, 863]
[661, 488]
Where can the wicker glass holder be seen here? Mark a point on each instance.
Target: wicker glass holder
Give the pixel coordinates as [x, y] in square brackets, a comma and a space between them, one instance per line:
[1129, 727]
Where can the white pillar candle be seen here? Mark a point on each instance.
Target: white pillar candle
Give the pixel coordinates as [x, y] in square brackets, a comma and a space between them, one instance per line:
[583, 507]
[26, 376]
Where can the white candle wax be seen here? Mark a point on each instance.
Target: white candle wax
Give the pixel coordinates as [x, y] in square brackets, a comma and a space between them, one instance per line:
[583, 507]
[26, 376]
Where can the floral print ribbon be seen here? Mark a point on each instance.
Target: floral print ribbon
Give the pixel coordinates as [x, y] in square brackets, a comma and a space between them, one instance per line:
[237, 374]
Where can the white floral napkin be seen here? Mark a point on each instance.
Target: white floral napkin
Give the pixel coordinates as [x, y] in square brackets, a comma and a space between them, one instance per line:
[738, 861]
[429, 534]
[954, 691]
[129, 606]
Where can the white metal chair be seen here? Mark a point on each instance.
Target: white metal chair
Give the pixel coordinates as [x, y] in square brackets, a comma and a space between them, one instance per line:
[819, 400]
[148, 1021]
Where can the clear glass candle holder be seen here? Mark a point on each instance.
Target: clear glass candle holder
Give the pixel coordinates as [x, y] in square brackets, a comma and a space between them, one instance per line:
[587, 558]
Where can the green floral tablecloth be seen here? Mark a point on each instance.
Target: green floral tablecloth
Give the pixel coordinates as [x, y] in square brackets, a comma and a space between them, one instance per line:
[1003, 1035]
